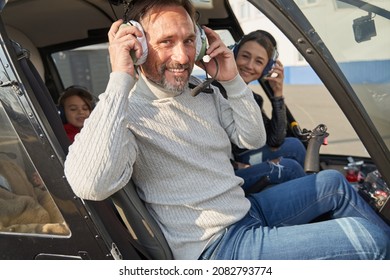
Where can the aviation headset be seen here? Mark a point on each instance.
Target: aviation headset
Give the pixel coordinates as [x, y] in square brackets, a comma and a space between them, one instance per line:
[135, 9]
[255, 36]
[79, 91]
[201, 43]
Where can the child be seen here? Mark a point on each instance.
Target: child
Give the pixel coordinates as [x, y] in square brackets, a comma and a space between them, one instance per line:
[75, 105]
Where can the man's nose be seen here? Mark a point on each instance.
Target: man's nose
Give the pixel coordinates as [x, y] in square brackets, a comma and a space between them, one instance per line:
[180, 53]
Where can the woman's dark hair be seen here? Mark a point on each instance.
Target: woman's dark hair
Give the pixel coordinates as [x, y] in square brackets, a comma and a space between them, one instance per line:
[79, 91]
[263, 38]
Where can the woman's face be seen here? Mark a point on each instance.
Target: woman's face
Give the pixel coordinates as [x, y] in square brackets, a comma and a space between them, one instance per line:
[76, 111]
[251, 61]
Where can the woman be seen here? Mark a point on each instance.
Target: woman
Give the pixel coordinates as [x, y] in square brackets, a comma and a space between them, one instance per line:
[253, 53]
[282, 158]
[75, 105]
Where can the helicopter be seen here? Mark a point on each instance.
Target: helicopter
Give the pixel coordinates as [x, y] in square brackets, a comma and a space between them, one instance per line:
[48, 45]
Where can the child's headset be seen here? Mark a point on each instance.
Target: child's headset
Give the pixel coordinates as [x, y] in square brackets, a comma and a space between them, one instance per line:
[200, 41]
[250, 37]
[81, 92]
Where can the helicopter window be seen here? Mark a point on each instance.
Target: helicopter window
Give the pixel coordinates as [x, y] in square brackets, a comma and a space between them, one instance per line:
[306, 96]
[25, 204]
[87, 66]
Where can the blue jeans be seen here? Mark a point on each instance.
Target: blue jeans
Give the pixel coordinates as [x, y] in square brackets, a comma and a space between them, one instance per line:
[280, 224]
[286, 170]
[291, 148]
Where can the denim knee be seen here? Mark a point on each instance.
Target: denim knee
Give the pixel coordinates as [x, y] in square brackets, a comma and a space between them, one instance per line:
[377, 242]
[332, 178]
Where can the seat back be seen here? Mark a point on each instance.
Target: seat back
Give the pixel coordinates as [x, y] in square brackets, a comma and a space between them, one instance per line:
[42, 95]
[24, 41]
[144, 230]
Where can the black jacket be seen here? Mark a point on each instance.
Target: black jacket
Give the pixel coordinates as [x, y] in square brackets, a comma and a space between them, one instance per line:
[275, 127]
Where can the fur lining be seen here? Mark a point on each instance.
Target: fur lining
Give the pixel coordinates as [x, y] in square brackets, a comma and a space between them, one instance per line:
[27, 209]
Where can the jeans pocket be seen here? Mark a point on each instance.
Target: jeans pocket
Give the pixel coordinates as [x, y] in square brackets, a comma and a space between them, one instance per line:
[210, 252]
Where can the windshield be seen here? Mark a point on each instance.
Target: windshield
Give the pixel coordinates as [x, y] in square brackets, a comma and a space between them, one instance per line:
[356, 33]
[350, 34]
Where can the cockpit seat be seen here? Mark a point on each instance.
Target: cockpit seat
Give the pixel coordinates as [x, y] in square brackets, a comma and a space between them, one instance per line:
[27, 44]
[144, 230]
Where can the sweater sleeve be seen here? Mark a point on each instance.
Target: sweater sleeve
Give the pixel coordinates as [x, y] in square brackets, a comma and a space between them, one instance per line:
[241, 116]
[100, 160]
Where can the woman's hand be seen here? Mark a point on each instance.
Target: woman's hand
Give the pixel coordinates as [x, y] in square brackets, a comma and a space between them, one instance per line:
[276, 78]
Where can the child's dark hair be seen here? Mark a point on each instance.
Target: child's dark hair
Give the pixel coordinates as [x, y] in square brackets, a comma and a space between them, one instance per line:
[79, 91]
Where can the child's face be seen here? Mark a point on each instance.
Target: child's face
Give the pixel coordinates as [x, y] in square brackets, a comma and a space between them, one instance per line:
[76, 111]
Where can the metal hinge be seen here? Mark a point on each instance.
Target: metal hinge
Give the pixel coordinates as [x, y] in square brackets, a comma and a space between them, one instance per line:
[115, 252]
[8, 83]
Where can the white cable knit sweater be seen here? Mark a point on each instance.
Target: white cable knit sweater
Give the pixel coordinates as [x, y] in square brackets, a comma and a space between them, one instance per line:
[176, 149]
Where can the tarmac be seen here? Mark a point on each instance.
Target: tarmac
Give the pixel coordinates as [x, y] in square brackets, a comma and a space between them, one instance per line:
[312, 105]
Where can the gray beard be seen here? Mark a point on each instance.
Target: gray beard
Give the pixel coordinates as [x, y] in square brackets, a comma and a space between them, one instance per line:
[180, 83]
[177, 88]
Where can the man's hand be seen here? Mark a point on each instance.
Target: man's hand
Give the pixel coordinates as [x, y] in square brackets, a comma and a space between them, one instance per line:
[122, 39]
[226, 69]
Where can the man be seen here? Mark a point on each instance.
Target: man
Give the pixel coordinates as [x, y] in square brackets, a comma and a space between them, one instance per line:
[176, 147]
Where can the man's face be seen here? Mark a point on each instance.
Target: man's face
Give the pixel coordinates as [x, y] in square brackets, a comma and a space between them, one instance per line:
[171, 42]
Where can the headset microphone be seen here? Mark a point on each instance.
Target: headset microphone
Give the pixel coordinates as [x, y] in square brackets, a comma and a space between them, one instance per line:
[202, 87]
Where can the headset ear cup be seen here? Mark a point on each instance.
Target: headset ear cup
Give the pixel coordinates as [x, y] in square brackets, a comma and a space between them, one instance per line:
[201, 43]
[143, 43]
[61, 113]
